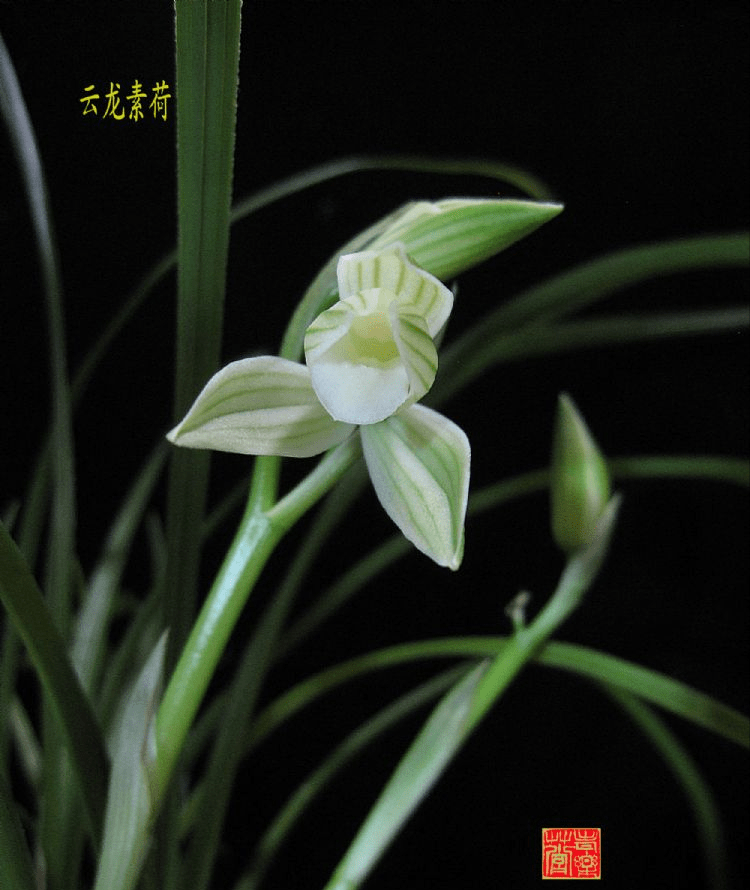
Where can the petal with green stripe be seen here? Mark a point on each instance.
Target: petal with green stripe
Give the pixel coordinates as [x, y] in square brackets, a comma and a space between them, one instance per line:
[262, 405]
[417, 351]
[392, 271]
[419, 464]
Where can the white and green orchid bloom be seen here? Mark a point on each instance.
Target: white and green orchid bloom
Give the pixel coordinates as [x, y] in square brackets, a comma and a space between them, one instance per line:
[370, 358]
[374, 352]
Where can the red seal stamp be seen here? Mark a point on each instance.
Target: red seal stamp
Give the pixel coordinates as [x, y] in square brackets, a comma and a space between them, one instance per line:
[572, 853]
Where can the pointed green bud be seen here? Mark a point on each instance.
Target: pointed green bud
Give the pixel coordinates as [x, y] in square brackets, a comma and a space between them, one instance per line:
[579, 488]
[449, 236]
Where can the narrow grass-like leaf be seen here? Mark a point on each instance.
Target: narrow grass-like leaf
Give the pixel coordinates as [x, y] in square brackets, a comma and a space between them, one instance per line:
[419, 769]
[16, 869]
[582, 286]
[686, 772]
[27, 744]
[370, 731]
[705, 467]
[31, 617]
[59, 802]
[129, 802]
[735, 471]
[207, 42]
[10, 663]
[671, 695]
[462, 364]
[589, 282]
[518, 178]
[62, 533]
[92, 624]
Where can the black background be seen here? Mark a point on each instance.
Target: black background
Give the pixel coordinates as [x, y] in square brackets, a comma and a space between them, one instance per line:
[635, 115]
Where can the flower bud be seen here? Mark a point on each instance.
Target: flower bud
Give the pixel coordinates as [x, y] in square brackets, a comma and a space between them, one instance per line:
[449, 236]
[579, 487]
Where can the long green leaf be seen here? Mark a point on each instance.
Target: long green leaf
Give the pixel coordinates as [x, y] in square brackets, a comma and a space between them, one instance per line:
[34, 624]
[56, 815]
[733, 470]
[501, 334]
[459, 369]
[579, 287]
[207, 38]
[63, 513]
[92, 623]
[16, 869]
[685, 770]
[422, 765]
[130, 802]
[365, 734]
[671, 695]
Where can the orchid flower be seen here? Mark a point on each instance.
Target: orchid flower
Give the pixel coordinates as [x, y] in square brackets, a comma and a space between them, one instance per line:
[369, 359]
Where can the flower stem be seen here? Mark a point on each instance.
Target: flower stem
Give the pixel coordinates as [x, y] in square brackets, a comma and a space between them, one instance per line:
[253, 544]
[577, 577]
[259, 532]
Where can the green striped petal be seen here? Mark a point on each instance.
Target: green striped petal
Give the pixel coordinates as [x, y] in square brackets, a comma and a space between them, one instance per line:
[419, 462]
[417, 351]
[263, 405]
[449, 236]
[392, 271]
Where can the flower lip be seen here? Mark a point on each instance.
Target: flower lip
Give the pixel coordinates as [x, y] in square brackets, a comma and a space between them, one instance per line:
[373, 352]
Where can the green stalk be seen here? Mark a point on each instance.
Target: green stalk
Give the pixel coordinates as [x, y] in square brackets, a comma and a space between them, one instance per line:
[578, 575]
[259, 532]
[240, 705]
[732, 470]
